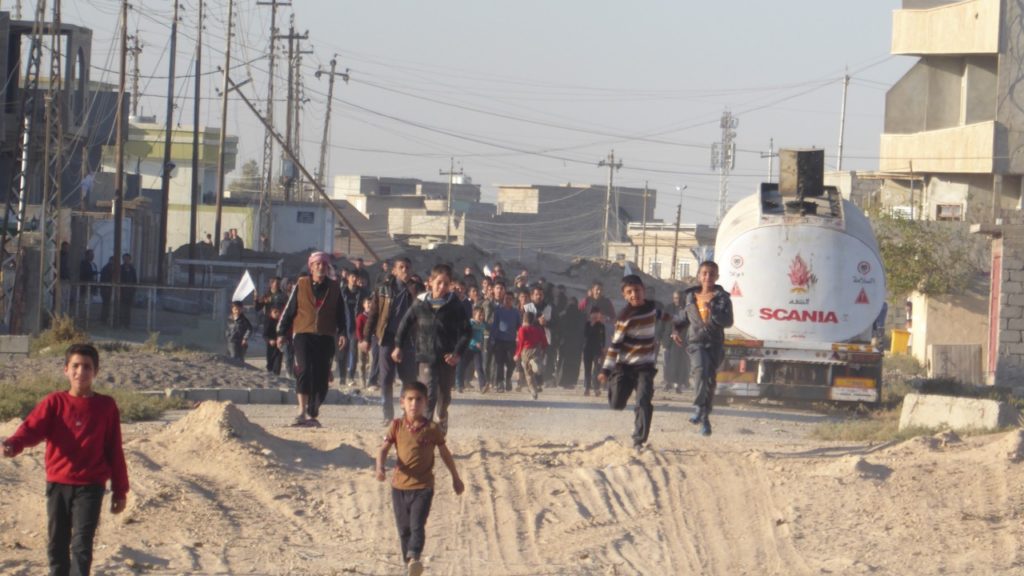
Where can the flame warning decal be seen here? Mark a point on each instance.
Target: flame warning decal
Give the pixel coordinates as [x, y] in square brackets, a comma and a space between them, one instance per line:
[862, 298]
[736, 292]
[801, 276]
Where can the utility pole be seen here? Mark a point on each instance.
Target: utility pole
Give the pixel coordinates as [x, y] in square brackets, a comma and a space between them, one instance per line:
[770, 155]
[196, 190]
[675, 244]
[451, 177]
[288, 177]
[135, 50]
[119, 131]
[266, 195]
[165, 172]
[291, 156]
[842, 121]
[723, 158]
[643, 241]
[325, 143]
[612, 167]
[223, 126]
[50, 302]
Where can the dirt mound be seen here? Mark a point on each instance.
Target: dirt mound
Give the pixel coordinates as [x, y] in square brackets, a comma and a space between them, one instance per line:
[854, 467]
[607, 453]
[218, 421]
[1010, 446]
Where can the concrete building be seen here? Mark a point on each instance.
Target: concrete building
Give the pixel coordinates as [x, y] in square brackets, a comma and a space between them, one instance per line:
[953, 121]
[653, 249]
[566, 220]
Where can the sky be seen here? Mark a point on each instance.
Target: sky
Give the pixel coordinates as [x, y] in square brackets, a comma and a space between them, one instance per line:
[539, 91]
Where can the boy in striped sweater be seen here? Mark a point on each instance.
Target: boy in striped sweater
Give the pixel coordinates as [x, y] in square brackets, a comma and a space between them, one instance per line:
[632, 353]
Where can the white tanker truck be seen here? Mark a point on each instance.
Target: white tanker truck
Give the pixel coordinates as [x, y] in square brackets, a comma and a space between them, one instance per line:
[807, 284]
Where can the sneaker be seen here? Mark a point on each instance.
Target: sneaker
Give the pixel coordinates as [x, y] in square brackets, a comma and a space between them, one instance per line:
[313, 423]
[299, 420]
[705, 429]
[533, 393]
[695, 419]
[415, 567]
[638, 448]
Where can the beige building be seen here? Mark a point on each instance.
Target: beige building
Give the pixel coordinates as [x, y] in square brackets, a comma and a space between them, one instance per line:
[953, 121]
[654, 248]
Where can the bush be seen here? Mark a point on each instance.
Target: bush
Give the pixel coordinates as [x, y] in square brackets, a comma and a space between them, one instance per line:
[18, 398]
[61, 334]
[875, 427]
[899, 371]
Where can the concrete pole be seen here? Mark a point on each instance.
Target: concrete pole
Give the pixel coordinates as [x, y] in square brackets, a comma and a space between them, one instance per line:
[223, 128]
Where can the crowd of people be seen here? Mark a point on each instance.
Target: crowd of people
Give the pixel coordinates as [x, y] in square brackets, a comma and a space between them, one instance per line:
[481, 329]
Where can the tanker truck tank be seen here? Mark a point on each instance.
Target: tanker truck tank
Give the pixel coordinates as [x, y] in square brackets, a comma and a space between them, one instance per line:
[807, 283]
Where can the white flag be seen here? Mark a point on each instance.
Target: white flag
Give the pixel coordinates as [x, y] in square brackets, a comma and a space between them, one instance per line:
[244, 288]
[487, 271]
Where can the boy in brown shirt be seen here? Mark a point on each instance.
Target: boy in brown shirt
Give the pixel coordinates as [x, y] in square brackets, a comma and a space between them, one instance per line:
[412, 483]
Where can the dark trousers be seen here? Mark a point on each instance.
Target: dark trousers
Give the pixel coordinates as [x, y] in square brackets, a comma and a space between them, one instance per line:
[439, 378]
[274, 357]
[289, 358]
[406, 372]
[641, 380]
[236, 351]
[677, 366]
[591, 366]
[313, 353]
[704, 363]
[504, 366]
[74, 515]
[412, 507]
[124, 316]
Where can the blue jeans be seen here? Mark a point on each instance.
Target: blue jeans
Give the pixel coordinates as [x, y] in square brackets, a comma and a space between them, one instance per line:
[406, 372]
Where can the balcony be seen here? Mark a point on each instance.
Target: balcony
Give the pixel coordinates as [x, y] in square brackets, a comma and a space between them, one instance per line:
[960, 150]
[970, 27]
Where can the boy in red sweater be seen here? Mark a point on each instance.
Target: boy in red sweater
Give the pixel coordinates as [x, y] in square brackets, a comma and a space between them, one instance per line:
[82, 430]
[531, 342]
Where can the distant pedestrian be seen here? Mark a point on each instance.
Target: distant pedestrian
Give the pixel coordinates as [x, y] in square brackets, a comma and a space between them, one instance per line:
[237, 333]
[129, 278]
[504, 328]
[593, 351]
[677, 360]
[530, 346]
[392, 299]
[274, 352]
[315, 316]
[442, 333]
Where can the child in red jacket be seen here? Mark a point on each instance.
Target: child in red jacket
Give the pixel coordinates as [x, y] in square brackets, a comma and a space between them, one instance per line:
[531, 342]
[82, 430]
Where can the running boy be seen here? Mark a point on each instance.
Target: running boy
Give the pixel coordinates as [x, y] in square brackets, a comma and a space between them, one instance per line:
[412, 482]
[531, 342]
[274, 353]
[632, 354]
[707, 312]
[82, 430]
[442, 333]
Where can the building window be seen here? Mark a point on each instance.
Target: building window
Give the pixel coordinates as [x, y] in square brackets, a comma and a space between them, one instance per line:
[684, 270]
[385, 191]
[949, 212]
[304, 217]
[620, 257]
[654, 268]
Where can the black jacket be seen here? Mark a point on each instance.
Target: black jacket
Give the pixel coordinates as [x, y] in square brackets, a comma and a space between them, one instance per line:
[440, 332]
[693, 328]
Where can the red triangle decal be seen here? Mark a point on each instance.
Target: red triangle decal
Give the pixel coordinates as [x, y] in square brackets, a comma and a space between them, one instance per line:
[736, 290]
[862, 298]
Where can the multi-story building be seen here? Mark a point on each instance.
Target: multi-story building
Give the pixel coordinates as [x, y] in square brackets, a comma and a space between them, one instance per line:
[953, 122]
[655, 246]
[567, 220]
